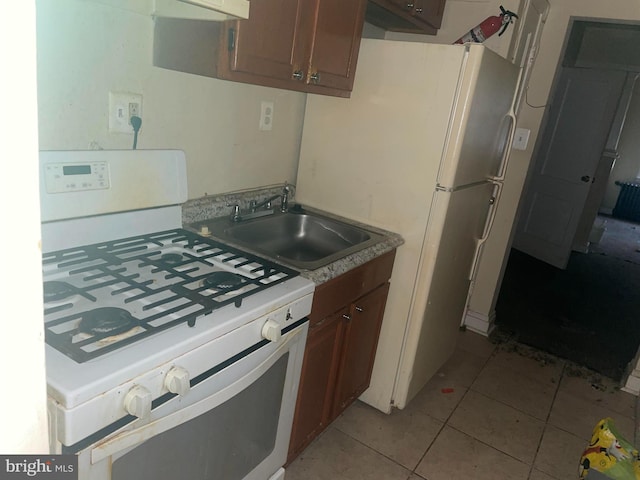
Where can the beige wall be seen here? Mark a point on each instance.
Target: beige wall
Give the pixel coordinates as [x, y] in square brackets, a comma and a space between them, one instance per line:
[483, 298]
[88, 48]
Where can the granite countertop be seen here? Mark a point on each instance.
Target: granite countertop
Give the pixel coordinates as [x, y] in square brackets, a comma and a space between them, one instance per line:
[210, 207]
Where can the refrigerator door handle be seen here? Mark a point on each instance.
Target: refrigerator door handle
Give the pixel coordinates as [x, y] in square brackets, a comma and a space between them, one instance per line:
[506, 154]
[487, 228]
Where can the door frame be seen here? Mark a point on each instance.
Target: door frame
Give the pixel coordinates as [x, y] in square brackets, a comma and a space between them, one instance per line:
[569, 48]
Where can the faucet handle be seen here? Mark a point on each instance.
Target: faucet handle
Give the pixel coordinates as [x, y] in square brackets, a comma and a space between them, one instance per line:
[235, 214]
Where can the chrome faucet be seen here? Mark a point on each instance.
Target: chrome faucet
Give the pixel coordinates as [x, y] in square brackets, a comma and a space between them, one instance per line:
[284, 198]
[255, 207]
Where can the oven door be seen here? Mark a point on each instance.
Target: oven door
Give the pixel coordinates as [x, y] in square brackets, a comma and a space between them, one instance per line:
[235, 424]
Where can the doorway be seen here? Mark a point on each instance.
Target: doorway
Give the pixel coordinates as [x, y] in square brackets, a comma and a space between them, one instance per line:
[583, 307]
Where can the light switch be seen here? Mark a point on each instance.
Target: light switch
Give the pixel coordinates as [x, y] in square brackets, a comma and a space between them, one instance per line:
[521, 138]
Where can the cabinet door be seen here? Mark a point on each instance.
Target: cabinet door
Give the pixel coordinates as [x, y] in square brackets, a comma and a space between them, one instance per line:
[429, 11]
[317, 381]
[336, 42]
[267, 44]
[412, 16]
[360, 342]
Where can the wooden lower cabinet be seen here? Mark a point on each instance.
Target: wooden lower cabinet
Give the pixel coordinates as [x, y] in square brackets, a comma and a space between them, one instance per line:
[343, 335]
[319, 372]
[362, 328]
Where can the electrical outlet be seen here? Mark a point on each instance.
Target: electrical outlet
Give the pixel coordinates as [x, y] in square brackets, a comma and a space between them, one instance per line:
[122, 106]
[134, 110]
[266, 115]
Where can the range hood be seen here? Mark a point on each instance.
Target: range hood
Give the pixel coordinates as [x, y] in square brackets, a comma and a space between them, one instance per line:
[202, 9]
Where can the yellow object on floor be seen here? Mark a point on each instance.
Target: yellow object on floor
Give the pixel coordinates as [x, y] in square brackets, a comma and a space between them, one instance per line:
[609, 455]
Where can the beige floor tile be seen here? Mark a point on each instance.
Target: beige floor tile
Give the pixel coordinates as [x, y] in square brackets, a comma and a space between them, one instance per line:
[498, 425]
[579, 416]
[516, 388]
[600, 390]
[559, 454]
[456, 456]
[439, 397]
[462, 368]
[336, 456]
[528, 362]
[475, 343]
[538, 475]
[403, 436]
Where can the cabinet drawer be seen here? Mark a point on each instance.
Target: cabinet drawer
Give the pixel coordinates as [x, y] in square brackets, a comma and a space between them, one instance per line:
[335, 294]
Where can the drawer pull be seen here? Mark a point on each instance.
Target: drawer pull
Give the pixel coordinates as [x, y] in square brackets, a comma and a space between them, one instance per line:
[346, 317]
[359, 309]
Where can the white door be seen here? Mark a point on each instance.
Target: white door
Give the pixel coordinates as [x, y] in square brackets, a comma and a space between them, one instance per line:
[577, 126]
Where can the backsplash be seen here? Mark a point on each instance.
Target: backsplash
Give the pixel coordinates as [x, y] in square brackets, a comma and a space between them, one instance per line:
[213, 206]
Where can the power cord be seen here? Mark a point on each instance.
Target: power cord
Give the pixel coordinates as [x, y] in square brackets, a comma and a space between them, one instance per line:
[136, 123]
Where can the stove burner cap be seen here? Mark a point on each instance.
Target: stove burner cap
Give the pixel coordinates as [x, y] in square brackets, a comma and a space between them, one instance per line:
[171, 258]
[224, 280]
[54, 291]
[106, 320]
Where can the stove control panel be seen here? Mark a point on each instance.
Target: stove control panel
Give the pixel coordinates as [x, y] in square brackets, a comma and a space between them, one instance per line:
[137, 401]
[271, 330]
[73, 177]
[177, 381]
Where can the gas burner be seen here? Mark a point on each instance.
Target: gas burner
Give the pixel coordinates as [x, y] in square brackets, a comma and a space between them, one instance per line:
[107, 320]
[224, 281]
[55, 291]
[171, 258]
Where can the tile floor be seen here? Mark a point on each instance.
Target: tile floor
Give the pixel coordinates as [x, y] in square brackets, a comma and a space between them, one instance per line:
[493, 412]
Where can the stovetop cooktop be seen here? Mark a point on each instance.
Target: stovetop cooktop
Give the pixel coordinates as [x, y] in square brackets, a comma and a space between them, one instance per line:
[104, 296]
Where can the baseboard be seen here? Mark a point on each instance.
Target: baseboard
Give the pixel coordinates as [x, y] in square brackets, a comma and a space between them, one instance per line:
[480, 323]
[632, 383]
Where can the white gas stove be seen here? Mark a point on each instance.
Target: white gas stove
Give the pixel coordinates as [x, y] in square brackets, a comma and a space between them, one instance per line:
[146, 322]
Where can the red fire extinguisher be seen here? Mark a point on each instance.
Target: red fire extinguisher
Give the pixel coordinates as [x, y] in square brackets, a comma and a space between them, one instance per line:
[488, 27]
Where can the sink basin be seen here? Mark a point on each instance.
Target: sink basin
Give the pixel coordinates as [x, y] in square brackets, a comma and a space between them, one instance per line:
[299, 238]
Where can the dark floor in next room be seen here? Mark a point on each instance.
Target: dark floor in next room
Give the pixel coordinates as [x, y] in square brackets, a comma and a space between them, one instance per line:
[588, 313]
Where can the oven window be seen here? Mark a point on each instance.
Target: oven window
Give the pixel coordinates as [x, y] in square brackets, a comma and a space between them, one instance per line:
[225, 443]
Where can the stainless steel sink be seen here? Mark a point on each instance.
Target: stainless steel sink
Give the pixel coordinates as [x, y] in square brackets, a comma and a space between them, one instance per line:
[299, 238]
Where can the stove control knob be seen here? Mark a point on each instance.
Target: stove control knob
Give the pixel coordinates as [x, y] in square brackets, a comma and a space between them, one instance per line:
[271, 330]
[177, 381]
[137, 402]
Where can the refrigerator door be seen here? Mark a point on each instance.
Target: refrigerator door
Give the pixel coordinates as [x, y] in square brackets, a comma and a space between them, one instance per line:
[482, 123]
[457, 222]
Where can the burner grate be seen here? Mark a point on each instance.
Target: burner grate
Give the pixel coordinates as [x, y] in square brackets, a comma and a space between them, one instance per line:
[160, 278]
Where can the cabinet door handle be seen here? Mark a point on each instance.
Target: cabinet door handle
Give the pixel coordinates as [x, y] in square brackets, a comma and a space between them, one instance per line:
[359, 309]
[346, 317]
[297, 75]
[409, 5]
[418, 10]
[315, 77]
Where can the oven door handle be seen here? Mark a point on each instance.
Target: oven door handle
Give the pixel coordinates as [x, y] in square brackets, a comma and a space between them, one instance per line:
[134, 437]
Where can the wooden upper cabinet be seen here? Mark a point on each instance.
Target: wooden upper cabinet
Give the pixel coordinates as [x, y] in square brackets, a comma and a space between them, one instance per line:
[336, 42]
[266, 44]
[305, 45]
[412, 16]
[429, 11]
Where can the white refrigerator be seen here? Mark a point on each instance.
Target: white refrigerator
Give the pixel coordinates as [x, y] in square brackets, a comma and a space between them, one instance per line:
[420, 149]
